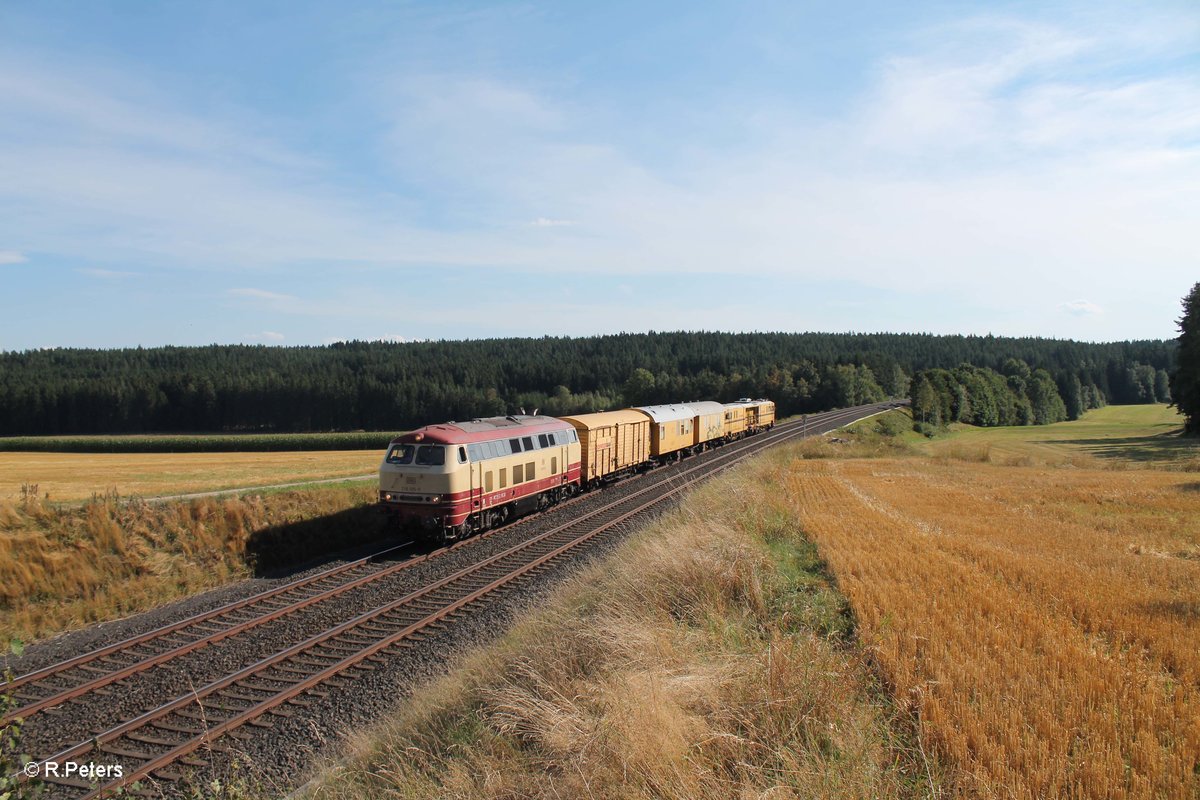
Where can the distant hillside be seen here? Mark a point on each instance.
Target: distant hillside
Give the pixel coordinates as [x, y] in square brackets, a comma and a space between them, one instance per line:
[387, 386]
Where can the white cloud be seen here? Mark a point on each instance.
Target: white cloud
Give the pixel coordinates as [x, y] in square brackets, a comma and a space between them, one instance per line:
[266, 336]
[1081, 308]
[11, 257]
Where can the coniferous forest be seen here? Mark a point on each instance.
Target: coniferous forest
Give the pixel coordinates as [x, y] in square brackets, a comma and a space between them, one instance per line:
[390, 386]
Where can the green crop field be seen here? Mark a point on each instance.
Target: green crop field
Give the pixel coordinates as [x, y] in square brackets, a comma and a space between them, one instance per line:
[198, 443]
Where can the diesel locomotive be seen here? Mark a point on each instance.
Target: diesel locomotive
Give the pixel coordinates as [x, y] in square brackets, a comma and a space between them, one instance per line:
[454, 479]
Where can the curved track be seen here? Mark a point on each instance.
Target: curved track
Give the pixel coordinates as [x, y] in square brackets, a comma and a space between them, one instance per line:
[161, 739]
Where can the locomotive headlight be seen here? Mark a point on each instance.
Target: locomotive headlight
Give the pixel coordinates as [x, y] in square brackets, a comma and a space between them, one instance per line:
[436, 498]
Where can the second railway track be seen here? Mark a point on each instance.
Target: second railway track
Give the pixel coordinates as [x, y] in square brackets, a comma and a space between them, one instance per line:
[160, 739]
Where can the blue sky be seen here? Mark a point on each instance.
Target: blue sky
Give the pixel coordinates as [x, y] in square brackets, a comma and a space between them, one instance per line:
[300, 173]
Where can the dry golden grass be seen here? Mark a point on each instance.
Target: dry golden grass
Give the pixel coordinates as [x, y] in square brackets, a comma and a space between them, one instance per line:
[61, 568]
[697, 663]
[1044, 624]
[79, 476]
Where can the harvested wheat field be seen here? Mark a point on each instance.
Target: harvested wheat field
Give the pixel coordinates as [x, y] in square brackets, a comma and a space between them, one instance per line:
[1042, 624]
[79, 476]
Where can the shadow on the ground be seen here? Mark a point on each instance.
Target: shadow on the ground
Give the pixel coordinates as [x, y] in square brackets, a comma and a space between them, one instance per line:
[1162, 447]
[1182, 609]
[281, 550]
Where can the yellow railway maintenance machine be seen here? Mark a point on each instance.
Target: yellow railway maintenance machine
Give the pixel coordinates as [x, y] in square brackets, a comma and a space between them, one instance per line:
[672, 430]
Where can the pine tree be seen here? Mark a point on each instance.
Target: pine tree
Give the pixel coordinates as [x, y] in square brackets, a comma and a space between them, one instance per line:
[1185, 382]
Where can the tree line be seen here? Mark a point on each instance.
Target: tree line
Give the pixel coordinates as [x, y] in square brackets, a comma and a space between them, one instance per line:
[1019, 395]
[391, 386]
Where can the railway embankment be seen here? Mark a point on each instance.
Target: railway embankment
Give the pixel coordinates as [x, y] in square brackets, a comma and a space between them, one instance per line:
[64, 567]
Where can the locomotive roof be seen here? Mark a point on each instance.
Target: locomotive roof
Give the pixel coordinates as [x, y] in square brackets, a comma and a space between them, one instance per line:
[482, 430]
[669, 413]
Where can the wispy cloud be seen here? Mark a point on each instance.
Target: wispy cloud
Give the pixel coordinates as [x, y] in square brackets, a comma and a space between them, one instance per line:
[984, 147]
[266, 336]
[11, 257]
[106, 274]
[1081, 308]
[262, 294]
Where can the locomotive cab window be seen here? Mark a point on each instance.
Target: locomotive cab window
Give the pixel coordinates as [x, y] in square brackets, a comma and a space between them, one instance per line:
[401, 454]
[431, 455]
[462, 455]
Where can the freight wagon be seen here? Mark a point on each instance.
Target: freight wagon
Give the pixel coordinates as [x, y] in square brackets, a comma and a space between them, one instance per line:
[613, 444]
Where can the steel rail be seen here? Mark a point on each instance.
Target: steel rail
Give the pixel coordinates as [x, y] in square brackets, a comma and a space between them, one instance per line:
[704, 470]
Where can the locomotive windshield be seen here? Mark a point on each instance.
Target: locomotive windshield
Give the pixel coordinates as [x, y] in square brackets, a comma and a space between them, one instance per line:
[401, 454]
[431, 455]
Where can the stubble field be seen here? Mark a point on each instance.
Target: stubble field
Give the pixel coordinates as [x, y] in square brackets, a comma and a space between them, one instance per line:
[79, 476]
[1041, 623]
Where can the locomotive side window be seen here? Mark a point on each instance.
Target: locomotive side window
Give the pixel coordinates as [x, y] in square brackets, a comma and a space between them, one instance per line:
[401, 454]
[528, 442]
[462, 455]
[431, 455]
[553, 465]
[529, 471]
[518, 475]
[503, 477]
[543, 440]
[515, 444]
[487, 481]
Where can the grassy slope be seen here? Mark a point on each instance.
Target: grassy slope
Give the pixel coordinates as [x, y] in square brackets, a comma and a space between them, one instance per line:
[710, 658]
[77, 476]
[61, 568]
[1117, 435]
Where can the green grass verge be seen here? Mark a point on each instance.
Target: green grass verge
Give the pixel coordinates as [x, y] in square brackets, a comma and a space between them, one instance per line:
[1146, 434]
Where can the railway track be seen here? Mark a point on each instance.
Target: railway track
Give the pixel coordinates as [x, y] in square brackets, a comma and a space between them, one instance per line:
[160, 740]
